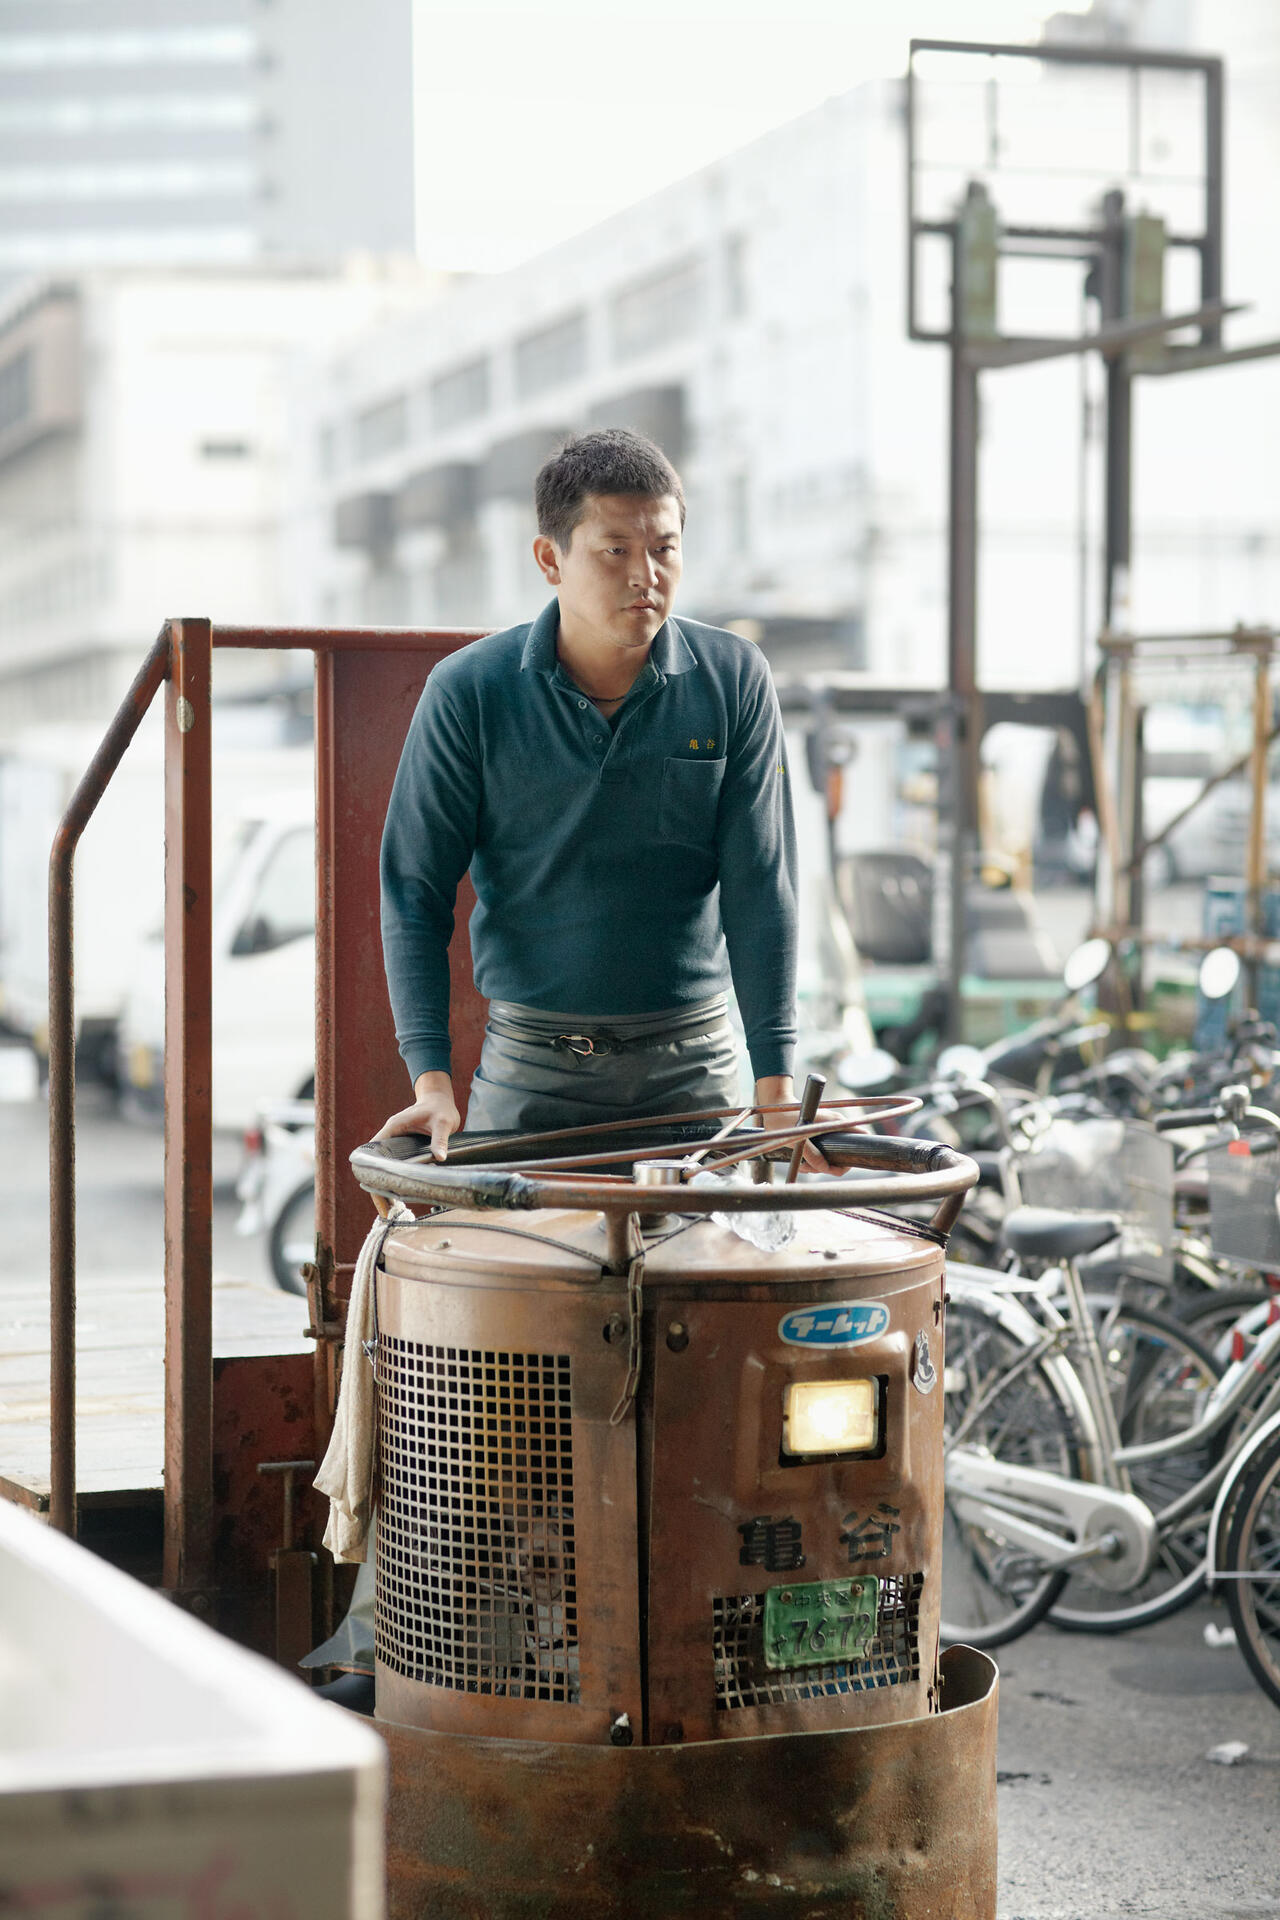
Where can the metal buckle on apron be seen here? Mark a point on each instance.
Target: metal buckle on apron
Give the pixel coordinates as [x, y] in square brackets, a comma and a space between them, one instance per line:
[582, 1044]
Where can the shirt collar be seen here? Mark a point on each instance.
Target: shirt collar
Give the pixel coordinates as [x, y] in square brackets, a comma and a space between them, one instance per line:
[670, 653]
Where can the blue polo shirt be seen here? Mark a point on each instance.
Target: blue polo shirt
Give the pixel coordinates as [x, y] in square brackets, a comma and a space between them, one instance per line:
[618, 868]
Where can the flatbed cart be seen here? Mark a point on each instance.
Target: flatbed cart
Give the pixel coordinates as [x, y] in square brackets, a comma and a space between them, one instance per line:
[646, 1641]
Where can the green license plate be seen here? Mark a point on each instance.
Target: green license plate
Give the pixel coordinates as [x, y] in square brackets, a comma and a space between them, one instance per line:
[822, 1623]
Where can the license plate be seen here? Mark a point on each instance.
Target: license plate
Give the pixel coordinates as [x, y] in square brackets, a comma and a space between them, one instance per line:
[821, 1623]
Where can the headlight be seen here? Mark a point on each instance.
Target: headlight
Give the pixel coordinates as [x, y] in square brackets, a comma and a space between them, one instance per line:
[830, 1416]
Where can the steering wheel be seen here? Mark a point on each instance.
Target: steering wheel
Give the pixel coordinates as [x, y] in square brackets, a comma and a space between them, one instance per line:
[501, 1171]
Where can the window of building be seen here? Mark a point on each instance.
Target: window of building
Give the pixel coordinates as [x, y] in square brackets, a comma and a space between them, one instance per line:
[133, 246]
[15, 390]
[135, 179]
[227, 449]
[551, 356]
[663, 306]
[114, 47]
[460, 394]
[383, 428]
[220, 112]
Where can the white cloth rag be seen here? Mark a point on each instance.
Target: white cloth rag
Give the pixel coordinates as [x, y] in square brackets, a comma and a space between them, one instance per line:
[346, 1472]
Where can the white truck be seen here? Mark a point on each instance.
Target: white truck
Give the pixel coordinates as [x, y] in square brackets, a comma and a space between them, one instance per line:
[263, 971]
[119, 874]
[118, 881]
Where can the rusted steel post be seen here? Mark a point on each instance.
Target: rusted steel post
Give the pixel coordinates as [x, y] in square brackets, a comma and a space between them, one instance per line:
[1256, 857]
[62, 1085]
[367, 686]
[188, 1130]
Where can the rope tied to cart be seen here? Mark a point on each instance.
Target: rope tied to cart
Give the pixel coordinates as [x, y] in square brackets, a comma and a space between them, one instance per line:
[348, 1470]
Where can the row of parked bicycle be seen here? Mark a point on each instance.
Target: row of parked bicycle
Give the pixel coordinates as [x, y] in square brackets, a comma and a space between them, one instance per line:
[1112, 1372]
[1112, 1378]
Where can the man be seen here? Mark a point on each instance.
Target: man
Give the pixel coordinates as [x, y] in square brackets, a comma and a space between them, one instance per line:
[615, 782]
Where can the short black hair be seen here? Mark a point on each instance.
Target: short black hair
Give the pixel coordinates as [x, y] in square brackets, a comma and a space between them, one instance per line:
[610, 460]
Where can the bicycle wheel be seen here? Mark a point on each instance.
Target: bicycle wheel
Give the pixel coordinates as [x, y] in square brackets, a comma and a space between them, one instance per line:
[1160, 1374]
[1213, 1313]
[992, 1591]
[1253, 1562]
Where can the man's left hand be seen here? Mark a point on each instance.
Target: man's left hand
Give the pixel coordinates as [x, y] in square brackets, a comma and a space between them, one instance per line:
[777, 1090]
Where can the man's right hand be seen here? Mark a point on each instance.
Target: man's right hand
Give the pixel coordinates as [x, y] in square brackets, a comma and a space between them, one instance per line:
[434, 1112]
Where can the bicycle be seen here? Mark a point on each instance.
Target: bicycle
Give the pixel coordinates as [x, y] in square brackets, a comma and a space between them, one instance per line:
[1048, 1477]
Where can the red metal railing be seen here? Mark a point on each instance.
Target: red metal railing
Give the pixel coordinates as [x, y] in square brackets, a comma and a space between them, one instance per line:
[367, 684]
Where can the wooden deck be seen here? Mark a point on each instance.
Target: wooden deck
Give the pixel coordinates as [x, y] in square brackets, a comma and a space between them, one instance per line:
[119, 1378]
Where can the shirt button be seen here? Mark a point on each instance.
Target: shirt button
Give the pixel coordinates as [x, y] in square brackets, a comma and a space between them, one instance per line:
[582, 705]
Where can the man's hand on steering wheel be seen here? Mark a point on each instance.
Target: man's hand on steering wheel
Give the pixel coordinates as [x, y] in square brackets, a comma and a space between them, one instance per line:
[434, 1112]
[777, 1090]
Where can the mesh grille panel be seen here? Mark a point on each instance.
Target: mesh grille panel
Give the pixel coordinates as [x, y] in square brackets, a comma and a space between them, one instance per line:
[743, 1680]
[476, 1584]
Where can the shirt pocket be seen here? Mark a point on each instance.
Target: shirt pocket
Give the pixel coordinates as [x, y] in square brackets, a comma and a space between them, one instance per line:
[689, 799]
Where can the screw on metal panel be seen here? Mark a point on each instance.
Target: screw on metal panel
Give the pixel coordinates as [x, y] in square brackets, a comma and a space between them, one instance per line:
[677, 1336]
[620, 1734]
[615, 1328]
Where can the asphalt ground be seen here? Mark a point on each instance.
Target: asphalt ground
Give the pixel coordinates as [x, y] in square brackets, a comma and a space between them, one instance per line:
[1109, 1805]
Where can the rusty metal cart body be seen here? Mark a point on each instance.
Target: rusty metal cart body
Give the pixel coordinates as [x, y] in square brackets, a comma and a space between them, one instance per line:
[658, 1547]
[861, 1784]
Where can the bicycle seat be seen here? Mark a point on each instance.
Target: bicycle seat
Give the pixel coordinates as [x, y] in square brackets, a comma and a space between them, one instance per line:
[1043, 1233]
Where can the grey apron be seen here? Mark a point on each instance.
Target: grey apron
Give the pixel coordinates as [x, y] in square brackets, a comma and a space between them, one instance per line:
[542, 1070]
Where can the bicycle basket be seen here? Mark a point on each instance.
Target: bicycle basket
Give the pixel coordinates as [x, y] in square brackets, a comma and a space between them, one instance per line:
[1107, 1166]
[1244, 1227]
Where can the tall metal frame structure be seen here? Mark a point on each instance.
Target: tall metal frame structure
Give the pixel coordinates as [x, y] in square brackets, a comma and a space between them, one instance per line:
[1121, 256]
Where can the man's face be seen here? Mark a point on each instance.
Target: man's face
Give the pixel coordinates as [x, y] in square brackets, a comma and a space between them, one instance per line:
[617, 578]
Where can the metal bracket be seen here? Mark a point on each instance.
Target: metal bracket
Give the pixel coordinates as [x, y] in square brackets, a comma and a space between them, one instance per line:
[328, 1317]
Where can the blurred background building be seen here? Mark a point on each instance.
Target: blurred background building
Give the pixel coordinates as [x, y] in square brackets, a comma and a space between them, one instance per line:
[231, 384]
[203, 131]
[193, 193]
[144, 464]
[752, 318]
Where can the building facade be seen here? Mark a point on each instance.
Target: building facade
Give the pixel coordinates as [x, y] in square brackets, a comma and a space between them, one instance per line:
[214, 132]
[145, 464]
[727, 317]
[752, 318]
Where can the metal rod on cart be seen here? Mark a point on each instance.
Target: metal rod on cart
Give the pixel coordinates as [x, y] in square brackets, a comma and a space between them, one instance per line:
[809, 1099]
[62, 1084]
[1256, 859]
[188, 1121]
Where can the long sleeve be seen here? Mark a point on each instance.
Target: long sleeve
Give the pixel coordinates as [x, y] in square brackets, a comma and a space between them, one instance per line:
[758, 880]
[427, 845]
